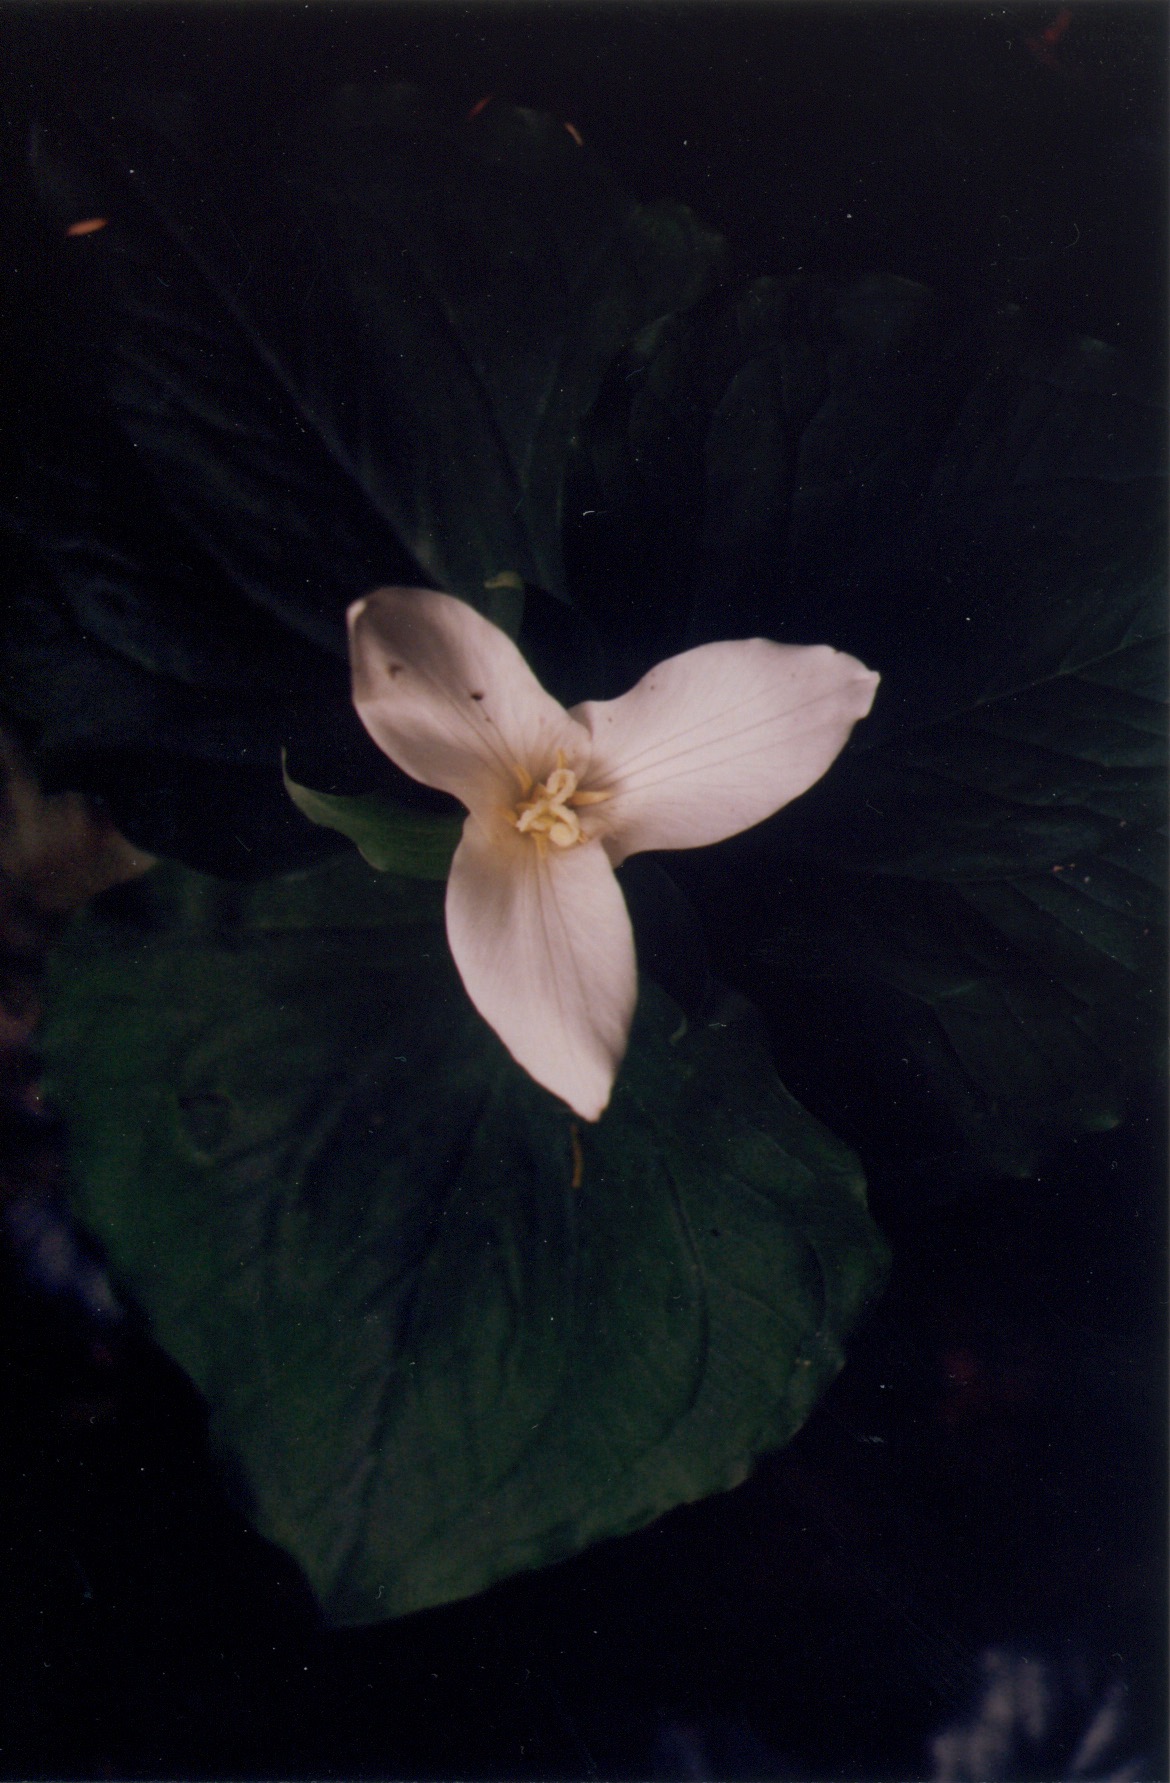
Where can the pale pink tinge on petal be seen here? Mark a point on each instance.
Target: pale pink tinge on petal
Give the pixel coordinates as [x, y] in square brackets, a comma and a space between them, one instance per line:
[715, 740]
[449, 698]
[545, 950]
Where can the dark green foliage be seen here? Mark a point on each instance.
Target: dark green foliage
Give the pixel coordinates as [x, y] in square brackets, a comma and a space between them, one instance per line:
[321, 365]
[440, 1343]
[748, 464]
[995, 864]
[976, 887]
[303, 374]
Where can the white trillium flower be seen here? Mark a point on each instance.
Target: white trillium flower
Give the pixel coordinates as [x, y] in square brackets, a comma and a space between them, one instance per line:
[706, 745]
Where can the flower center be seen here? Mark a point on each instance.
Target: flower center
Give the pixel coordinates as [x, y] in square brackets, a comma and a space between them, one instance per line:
[548, 812]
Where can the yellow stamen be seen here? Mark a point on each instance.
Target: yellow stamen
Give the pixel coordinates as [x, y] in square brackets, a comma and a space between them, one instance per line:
[550, 814]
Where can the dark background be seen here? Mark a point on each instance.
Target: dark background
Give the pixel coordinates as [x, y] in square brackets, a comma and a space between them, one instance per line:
[986, 1475]
[959, 145]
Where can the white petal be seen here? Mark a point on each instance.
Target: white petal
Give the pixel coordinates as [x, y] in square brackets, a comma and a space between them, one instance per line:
[449, 698]
[546, 952]
[715, 740]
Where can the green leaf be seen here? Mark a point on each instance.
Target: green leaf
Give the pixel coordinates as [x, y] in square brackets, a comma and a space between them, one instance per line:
[976, 888]
[986, 1020]
[346, 351]
[361, 339]
[748, 463]
[445, 1333]
[416, 844]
